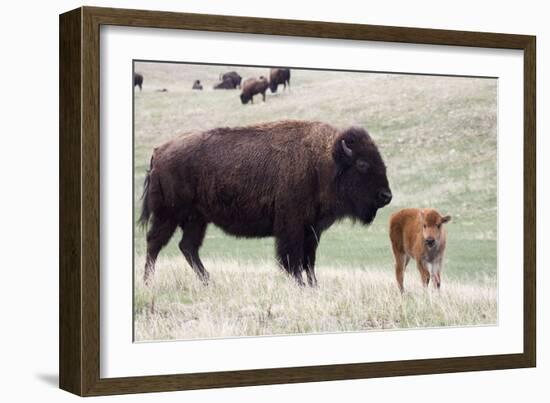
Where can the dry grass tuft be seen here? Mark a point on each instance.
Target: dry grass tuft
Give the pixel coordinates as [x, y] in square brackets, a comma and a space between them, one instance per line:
[259, 299]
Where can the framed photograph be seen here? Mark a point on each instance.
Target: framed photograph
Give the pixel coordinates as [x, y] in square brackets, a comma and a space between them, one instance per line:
[248, 201]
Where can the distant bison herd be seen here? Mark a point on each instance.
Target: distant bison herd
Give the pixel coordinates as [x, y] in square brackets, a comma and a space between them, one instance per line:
[249, 87]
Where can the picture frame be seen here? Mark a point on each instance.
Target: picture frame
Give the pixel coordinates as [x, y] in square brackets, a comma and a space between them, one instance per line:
[80, 154]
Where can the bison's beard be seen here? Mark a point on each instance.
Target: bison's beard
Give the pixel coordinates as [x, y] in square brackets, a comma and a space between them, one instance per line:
[367, 215]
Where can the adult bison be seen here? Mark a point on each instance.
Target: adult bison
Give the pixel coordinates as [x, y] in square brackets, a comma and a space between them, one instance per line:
[253, 86]
[277, 77]
[230, 80]
[291, 180]
[138, 80]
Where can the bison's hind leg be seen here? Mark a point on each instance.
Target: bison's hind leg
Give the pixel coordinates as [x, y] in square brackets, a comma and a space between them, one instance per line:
[161, 230]
[401, 259]
[193, 235]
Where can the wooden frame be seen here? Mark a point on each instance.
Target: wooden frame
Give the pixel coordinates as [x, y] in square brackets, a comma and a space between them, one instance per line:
[79, 201]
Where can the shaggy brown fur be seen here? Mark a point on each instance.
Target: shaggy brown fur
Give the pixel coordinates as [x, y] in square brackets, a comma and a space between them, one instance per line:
[138, 80]
[289, 179]
[253, 86]
[418, 234]
[279, 76]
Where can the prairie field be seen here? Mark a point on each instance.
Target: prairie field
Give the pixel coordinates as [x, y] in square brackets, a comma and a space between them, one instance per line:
[438, 137]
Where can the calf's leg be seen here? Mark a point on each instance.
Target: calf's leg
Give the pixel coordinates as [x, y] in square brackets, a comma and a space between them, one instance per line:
[436, 273]
[424, 272]
[401, 260]
[400, 264]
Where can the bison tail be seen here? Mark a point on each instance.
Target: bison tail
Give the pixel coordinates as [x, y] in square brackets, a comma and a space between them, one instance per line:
[145, 209]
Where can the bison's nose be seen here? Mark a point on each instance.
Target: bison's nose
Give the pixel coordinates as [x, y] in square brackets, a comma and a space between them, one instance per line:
[384, 197]
[430, 242]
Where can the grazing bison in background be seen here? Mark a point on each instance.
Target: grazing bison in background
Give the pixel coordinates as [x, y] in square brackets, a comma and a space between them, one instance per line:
[138, 80]
[225, 85]
[229, 81]
[279, 76]
[197, 85]
[253, 86]
[291, 180]
[418, 234]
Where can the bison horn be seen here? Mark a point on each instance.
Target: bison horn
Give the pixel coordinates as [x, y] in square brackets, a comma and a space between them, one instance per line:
[346, 149]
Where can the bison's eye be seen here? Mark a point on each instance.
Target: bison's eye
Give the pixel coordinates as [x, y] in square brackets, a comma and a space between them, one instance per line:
[362, 165]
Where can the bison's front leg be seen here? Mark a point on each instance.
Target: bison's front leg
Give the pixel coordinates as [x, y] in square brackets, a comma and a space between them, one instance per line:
[193, 235]
[424, 272]
[290, 252]
[311, 242]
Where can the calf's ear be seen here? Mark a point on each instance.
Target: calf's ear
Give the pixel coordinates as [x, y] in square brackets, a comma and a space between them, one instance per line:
[445, 219]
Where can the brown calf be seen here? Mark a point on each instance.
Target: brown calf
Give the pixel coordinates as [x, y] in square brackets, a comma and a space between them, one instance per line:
[418, 234]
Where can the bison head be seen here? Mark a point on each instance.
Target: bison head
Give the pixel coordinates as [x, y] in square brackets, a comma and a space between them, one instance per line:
[362, 184]
[273, 86]
[245, 98]
[432, 223]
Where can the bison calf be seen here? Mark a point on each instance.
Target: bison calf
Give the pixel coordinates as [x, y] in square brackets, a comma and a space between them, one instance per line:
[253, 86]
[418, 234]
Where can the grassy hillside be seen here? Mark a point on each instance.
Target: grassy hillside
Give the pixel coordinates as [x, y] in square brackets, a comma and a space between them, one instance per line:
[436, 134]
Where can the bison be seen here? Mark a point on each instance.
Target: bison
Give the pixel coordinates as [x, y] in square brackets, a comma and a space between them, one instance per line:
[225, 85]
[197, 85]
[253, 86]
[279, 76]
[418, 234]
[138, 80]
[229, 81]
[289, 179]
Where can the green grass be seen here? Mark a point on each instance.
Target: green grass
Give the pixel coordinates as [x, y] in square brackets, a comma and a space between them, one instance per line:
[437, 135]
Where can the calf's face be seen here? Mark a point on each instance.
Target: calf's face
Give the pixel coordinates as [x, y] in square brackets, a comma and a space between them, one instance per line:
[362, 174]
[432, 226]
